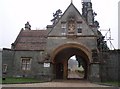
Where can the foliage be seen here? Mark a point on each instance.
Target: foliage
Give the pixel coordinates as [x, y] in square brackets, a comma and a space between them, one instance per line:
[82, 72]
[56, 16]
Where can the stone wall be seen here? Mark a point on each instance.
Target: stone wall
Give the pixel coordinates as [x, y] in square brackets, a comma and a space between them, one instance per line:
[37, 65]
[13, 61]
[110, 68]
[7, 59]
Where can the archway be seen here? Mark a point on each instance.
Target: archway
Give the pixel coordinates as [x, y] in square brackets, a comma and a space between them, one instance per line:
[76, 68]
[63, 54]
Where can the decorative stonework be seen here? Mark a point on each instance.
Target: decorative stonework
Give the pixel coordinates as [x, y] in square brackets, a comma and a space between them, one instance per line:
[71, 26]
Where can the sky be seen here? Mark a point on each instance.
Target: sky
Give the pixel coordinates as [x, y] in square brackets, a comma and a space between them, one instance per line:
[15, 13]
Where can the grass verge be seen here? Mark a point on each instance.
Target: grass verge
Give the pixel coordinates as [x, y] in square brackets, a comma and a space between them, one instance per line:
[113, 83]
[20, 80]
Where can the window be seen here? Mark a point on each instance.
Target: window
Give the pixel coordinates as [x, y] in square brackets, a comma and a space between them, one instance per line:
[79, 28]
[26, 63]
[4, 68]
[63, 27]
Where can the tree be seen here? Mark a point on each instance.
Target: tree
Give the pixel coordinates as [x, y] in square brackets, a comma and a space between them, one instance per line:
[56, 16]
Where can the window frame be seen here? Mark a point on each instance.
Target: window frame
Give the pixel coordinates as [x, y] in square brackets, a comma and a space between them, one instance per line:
[63, 28]
[79, 27]
[79, 30]
[26, 63]
[4, 68]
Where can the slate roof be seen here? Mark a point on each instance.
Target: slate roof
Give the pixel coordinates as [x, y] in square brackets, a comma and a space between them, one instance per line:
[30, 40]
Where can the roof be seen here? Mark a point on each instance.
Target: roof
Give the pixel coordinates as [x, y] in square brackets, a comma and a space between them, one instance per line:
[71, 4]
[72, 11]
[30, 40]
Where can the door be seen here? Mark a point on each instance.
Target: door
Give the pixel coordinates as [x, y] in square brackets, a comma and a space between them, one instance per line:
[59, 71]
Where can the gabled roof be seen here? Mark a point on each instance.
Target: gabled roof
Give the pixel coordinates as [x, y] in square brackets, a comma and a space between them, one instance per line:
[71, 4]
[31, 40]
[71, 11]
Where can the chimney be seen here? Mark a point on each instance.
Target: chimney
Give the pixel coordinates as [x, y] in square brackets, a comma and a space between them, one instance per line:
[27, 26]
[87, 12]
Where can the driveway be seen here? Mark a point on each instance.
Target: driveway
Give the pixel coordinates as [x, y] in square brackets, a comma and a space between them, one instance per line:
[58, 83]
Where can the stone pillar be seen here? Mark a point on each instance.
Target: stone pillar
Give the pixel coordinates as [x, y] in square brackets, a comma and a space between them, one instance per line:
[47, 71]
[65, 69]
[94, 72]
[52, 75]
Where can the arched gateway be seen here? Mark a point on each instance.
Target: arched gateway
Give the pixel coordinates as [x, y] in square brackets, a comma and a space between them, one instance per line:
[73, 34]
[62, 54]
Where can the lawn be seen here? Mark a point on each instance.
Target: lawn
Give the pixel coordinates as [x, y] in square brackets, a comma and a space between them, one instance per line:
[20, 80]
[113, 83]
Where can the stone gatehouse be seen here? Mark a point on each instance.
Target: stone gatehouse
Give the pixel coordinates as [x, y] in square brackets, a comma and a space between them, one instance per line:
[44, 54]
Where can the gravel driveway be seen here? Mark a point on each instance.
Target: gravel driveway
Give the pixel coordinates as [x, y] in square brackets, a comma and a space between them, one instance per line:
[58, 83]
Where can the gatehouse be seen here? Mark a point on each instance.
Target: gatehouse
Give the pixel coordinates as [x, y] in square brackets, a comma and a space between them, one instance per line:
[44, 54]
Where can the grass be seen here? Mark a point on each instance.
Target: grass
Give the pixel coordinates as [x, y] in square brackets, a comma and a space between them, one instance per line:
[12, 80]
[20, 80]
[113, 83]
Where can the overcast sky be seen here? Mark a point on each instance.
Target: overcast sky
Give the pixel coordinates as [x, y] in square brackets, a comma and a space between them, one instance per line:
[15, 13]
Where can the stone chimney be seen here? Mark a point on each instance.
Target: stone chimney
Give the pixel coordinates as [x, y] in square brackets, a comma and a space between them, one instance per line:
[27, 26]
[87, 12]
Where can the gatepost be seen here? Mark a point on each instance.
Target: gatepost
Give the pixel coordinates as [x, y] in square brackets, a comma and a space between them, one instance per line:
[94, 72]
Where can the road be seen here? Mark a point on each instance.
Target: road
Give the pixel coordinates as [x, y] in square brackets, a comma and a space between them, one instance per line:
[58, 83]
[73, 74]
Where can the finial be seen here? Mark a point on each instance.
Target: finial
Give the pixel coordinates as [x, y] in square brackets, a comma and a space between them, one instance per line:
[71, 1]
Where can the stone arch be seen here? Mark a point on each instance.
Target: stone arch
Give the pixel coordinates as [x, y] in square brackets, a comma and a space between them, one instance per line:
[61, 55]
[69, 45]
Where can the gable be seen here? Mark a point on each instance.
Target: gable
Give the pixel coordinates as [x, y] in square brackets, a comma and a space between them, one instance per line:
[71, 13]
